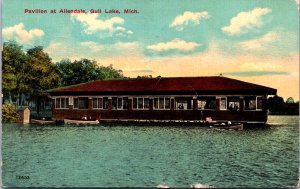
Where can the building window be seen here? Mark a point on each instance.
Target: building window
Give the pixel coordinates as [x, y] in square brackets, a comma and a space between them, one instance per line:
[57, 103]
[97, 103]
[114, 103]
[184, 103]
[233, 104]
[140, 103]
[206, 103]
[71, 101]
[83, 103]
[259, 103]
[61, 103]
[125, 103]
[105, 103]
[250, 103]
[222, 103]
[161, 103]
[75, 103]
[119, 103]
[100, 103]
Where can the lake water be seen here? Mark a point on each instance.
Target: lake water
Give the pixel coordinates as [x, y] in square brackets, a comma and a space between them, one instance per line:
[98, 156]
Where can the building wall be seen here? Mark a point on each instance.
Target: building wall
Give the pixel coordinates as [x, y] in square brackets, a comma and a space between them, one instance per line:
[172, 114]
[196, 115]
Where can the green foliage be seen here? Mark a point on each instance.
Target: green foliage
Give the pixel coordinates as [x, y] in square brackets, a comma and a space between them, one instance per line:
[290, 100]
[13, 64]
[277, 106]
[147, 76]
[144, 76]
[43, 74]
[9, 113]
[110, 73]
[29, 74]
[84, 70]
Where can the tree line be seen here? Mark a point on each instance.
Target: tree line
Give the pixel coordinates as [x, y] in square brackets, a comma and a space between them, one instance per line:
[277, 106]
[26, 75]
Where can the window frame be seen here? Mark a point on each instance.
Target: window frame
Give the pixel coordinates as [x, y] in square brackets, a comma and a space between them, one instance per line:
[206, 99]
[81, 98]
[75, 99]
[220, 99]
[97, 103]
[187, 99]
[66, 102]
[137, 103]
[259, 109]
[164, 103]
[256, 103]
[120, 102]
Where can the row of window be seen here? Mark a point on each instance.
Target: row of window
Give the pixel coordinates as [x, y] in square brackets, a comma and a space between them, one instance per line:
[162, 103]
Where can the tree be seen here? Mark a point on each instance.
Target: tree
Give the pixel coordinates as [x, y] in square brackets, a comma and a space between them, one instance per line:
[84, 70]
[9, 113]
[144, 76]
[290, 100]
[13, 75]
[276, 104]
[110, 73]
[43, 74]
[147, 76]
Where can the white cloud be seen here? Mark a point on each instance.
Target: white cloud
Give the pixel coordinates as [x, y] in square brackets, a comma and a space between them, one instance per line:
[261, 42]
[58, 49]
[277, 43]
[92, 45]
[175, 44]
[126, 45]
[188, 17]
[18, 33]
[258, 66]
[119, 28]
[129, 32]
[110, 48]
[93, 24]
[246, 21]
[89, 49]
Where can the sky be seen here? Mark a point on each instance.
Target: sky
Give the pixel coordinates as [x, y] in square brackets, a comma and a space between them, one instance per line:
[255, 41]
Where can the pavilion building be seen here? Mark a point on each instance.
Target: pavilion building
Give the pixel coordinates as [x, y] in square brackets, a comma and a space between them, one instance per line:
[163, 99]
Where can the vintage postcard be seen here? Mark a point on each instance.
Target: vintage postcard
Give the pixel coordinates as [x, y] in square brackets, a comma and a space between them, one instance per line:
[140, 93]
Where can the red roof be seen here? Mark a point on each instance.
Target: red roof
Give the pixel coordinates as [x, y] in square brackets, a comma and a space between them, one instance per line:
[160, 85]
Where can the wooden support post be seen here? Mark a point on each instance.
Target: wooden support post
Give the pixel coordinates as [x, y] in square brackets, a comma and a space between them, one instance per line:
[109, 103]
[151, 101]
[90, 103]
[241, 103]
[195, 103]
[172, 103]
[129, 104]
[71, 103]
[218, 104]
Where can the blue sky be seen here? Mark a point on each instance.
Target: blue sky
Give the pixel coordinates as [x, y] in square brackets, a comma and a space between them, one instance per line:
[255, 41]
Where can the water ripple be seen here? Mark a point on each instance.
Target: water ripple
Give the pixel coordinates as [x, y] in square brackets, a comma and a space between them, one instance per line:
[95, 156]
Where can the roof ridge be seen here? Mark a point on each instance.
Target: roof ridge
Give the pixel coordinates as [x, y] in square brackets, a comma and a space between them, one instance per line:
[202, 83]
[248, 83]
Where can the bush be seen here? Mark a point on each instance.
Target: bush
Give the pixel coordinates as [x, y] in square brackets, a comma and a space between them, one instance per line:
[9, 113]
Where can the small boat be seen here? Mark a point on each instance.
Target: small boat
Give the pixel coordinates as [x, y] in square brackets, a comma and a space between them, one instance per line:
[162, 186]
[236, 126]
[199, 185]
[42, 122]
[72, 121]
